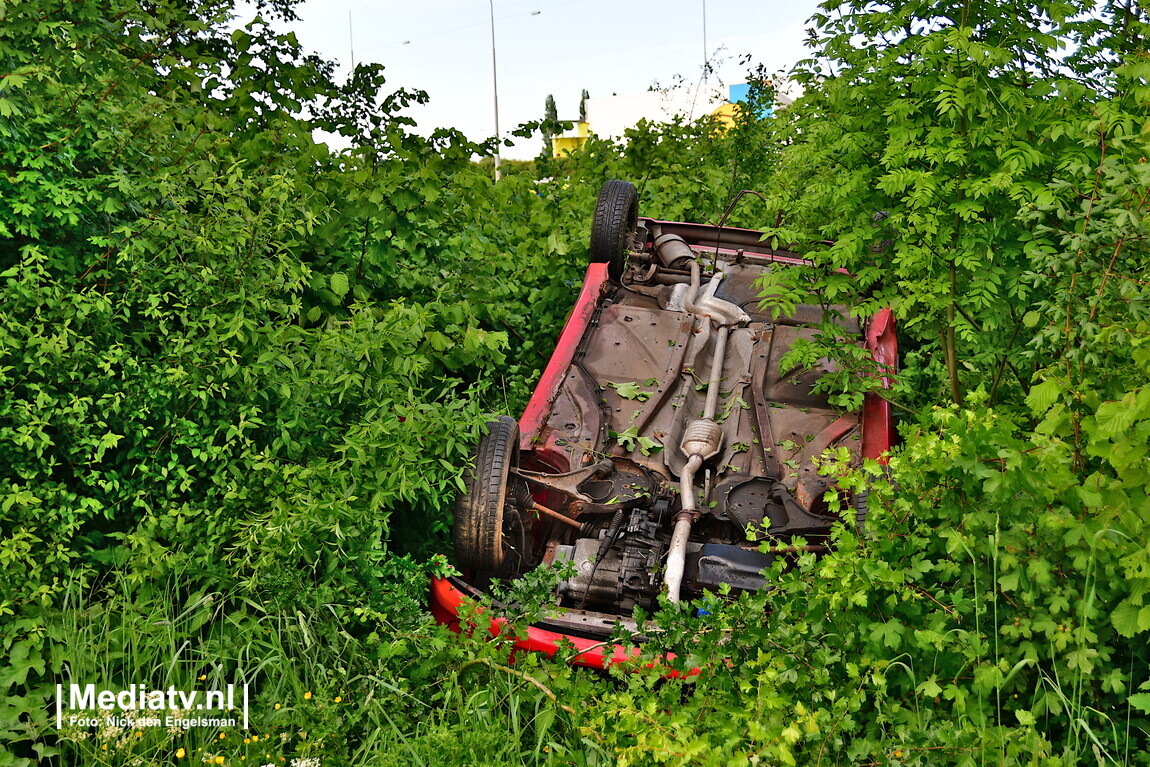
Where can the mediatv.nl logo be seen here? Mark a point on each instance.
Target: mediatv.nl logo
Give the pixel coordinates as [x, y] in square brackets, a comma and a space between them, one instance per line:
[141, 706]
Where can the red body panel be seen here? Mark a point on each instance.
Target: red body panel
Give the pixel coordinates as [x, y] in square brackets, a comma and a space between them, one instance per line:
[535, 415]
[446, 601]
[877, 417]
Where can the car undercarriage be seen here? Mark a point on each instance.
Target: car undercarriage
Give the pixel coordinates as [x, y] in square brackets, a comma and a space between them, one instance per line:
[664, 452]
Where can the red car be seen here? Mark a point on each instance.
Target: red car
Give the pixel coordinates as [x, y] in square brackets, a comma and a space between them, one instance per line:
[662, 442]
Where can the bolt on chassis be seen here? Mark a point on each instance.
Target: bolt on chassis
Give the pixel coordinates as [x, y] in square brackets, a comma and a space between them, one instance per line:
[662, 443]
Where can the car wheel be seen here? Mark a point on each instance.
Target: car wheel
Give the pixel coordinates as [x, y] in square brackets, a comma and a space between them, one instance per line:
[488, 529]
[616, 217]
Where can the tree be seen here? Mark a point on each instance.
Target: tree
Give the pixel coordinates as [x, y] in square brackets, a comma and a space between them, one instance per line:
[224, 350]
[952, 119]
[550, 116]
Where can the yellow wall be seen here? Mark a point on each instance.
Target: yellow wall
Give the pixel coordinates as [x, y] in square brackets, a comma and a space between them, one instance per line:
[725, 114]
[561, 146]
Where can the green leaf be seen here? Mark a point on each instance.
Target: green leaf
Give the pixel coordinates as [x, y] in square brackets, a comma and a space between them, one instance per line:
[629, 390]
[930, 688]
[1044, 395]
[339, 284]
[109, 440]
[1140, 701]
[889, 633]
[1129, 619]
[627, 438]
[648, 446]
[557, 244]
[1115, 418]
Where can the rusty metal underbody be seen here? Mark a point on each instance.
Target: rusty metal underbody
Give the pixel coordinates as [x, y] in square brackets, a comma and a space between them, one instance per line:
[640, 374]
[606, 467]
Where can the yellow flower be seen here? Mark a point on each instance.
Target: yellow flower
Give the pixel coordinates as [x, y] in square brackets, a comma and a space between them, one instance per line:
[338, 698]
[203, 677]
[256, 738]
[277, 707]
[219, 760]
[104, 747]
[222, 736]
[307, 696]
[247, 740]
[180, 753]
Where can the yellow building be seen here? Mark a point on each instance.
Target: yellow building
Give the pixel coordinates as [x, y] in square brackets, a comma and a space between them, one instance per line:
[613, 115]
[725, 114]
[561, 146]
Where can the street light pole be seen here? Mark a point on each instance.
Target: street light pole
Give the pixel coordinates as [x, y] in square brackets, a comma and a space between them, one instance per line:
[706, 54]
[495, 87]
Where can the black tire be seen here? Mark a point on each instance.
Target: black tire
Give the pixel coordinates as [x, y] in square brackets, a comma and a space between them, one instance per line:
[616, 218]
[483, 516]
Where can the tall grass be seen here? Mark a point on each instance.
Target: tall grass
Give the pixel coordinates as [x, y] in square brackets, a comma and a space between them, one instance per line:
[324, 686]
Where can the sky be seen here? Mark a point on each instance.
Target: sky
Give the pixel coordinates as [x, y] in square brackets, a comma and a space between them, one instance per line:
[557, 47]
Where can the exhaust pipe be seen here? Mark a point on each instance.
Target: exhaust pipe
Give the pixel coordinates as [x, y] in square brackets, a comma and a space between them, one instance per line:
[701, 440]
[703, 437]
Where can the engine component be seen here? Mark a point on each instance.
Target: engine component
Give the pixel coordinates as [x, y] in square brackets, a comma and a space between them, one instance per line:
[625, 576]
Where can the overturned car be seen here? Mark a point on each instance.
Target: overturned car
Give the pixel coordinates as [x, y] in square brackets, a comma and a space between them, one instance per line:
[662, 444]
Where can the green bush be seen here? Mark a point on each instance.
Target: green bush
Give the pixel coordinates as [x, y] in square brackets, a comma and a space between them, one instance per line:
[242, 375]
